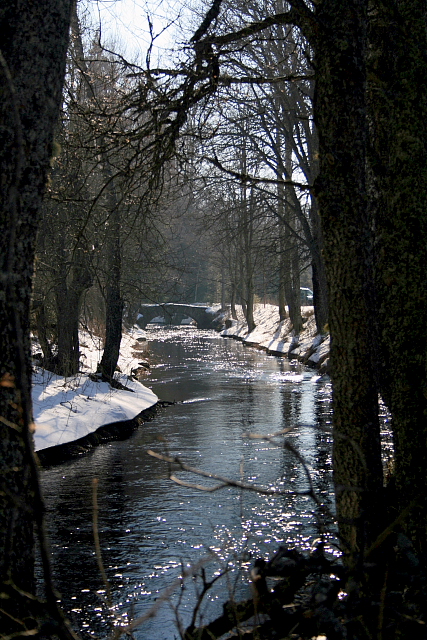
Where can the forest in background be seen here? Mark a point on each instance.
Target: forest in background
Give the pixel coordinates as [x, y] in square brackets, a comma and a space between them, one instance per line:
[221, 222]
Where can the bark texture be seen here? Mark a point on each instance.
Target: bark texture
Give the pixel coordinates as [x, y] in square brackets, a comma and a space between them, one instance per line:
[33, 37]
[340, 114]
[398, 120]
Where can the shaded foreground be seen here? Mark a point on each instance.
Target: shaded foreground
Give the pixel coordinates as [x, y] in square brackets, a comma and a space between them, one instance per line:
[313, 596]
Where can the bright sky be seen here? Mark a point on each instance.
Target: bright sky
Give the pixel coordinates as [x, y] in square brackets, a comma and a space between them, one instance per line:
[126, 21]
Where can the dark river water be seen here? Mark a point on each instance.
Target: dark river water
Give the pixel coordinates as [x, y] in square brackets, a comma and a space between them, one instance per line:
[150, 527]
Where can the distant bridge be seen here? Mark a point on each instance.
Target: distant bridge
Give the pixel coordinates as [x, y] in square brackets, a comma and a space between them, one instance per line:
[173, 313]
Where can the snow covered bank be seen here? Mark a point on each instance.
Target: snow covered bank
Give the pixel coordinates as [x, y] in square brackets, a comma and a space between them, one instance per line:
[275, 337]
[69, 409]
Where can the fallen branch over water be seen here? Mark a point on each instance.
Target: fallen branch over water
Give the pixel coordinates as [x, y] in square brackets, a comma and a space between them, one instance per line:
[223, 481]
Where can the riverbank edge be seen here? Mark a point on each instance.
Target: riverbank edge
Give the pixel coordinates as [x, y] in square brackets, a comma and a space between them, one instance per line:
[277, 338]
[120, 430]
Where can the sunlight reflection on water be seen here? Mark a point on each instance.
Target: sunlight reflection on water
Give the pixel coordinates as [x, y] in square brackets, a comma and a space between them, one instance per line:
[151, 528]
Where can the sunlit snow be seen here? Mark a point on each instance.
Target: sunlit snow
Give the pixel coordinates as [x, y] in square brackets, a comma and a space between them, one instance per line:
[66, 409]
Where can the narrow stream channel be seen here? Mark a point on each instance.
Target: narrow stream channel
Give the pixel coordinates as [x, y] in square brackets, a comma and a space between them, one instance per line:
[151, 527]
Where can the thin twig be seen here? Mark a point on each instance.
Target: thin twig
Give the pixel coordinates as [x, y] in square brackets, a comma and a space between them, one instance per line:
[389, 530]
[225, 482]
[198, 487]
[161, 599]
[268, 436]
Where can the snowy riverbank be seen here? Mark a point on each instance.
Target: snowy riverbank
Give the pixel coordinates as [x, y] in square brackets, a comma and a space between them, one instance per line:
[68, 409]
[276, 337]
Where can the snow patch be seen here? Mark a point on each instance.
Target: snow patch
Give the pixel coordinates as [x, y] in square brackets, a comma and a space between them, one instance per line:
[66, 409]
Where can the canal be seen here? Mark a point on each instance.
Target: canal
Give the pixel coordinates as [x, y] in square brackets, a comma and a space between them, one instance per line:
[150, 527]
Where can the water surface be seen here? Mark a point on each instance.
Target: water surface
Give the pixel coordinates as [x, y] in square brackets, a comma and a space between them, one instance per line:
[152, 528]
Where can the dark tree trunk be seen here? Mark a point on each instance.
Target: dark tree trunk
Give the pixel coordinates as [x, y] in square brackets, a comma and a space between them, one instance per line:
[223, 287]
[283, 259]
[340, 115]
[398, 110]
[320, 285]
[246, 232]
[233, 301]
[249, 268]
[250, 306]
[282, 276]
[241, 283]
[292, 283]
[39, 311]
[69, 291]
[114, 303]
[34, 37]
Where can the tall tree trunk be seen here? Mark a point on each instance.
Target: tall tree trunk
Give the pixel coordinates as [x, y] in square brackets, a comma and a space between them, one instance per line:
[39, 310]
[292, 279]
[114, 303]
[233, 301]
[283, 261]
[340, 115]
[320, 285]
[294, 295]
[68, 292]
[34, 37]
[398, 105]
[289, 275]
[315, 245]
[246, 231]
[282, 272]
[223, 286]
[249, 269]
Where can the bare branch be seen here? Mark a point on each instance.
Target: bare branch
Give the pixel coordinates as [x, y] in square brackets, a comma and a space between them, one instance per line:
[300, 17]
[211, 15]
[244, 177]
[228, 80]
[269, 436]
[199, 487]
[225, 482]
[225, 80]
